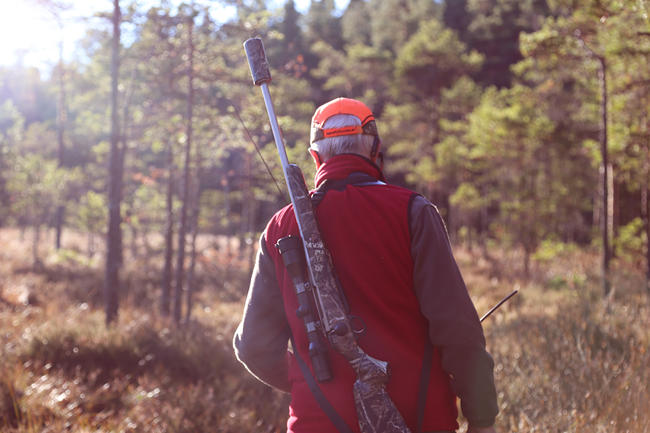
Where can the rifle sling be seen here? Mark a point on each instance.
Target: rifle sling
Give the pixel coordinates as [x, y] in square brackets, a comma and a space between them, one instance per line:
[424, 382]
[322, 401]
[355, 179]
[336, 419]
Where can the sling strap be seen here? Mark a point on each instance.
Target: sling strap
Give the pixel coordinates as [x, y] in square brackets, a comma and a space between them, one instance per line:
[336, 419]
[425, 374]
[355, 179]
[322, 401]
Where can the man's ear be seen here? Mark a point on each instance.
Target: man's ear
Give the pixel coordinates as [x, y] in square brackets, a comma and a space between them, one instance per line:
[316, 157]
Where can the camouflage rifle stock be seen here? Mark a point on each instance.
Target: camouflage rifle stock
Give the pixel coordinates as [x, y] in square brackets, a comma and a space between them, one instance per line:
[376, 412]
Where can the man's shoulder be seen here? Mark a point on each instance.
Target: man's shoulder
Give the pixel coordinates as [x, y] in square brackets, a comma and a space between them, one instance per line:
[281, 224]
[282, 214]
[420, 202]
[399, 190]
[417, 202]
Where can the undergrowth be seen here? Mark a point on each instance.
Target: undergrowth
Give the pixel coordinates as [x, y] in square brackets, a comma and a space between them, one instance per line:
[567, 359]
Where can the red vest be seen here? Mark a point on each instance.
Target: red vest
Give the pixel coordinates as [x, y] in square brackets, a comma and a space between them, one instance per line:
[366, 229]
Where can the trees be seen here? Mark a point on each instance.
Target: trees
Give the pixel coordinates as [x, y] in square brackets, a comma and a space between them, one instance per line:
[493, 30]
[431, 61]
[511, 151]
[629, 46]
[518, 162]
[393, 22]
[115, 170]
[11, 128]
[595, 38]
[322, 25]
[182, 231]
[56, 10]
[37, 188]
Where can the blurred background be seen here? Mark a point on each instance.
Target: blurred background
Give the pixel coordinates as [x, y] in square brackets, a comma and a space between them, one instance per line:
[138, 169]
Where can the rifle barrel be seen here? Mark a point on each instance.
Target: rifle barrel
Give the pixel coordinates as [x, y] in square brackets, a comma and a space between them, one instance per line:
[275, 127]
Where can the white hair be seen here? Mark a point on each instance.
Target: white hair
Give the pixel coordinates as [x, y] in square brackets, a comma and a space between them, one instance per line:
[359, 143]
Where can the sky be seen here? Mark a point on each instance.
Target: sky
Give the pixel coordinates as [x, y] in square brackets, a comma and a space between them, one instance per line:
[31, 36]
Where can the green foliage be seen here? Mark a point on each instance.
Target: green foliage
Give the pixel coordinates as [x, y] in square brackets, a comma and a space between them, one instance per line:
[355, 25]
[11, 124]
[467, 198]
[423, 123]
[360, 71]
[11, 130]
[90, 213]
[393, 22]
[517, 161]
[432, 59]
[146, 206]
[631, 242]
[493, 29]
[37, 187]
[550, 250]
[66, 256]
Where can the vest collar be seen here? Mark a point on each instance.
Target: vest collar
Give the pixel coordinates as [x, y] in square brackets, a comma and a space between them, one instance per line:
[341, 166]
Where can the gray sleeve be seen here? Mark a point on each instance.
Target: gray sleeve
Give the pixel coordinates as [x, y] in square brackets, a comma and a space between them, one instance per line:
[454, 325]
[261, 340]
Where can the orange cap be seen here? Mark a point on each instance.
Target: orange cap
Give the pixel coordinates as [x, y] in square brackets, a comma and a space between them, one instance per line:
[342, 106]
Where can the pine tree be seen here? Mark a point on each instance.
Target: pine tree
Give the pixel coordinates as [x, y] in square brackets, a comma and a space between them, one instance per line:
[114, 233]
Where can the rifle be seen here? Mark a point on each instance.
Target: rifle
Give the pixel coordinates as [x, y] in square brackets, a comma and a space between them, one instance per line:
[376, 412]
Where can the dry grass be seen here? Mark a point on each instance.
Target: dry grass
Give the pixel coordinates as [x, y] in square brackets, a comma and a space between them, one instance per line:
[63, 370]
[567, 360]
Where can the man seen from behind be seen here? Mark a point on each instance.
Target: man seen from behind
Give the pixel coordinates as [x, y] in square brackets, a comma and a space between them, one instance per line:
[392, 255]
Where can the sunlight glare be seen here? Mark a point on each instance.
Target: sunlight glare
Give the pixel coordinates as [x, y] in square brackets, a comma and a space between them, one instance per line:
[28, 34]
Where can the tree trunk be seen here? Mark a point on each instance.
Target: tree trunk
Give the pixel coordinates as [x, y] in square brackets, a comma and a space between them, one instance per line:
[527, 254]
[245, 208]
[122, 156]
[61, 118]
[134, 243]
[229, 233]
[180, 265]
[605, 179]
[645, 210]
[113, 238]
[91, 245]
[196, 209]
[613, 207]
[250, 240]
[169, 235]
[36, 240]
[246, 246]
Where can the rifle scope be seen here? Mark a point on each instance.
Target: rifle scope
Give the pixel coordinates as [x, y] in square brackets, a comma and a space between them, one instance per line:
[293, 256]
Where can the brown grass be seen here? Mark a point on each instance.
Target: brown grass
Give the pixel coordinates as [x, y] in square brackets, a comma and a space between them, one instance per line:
[63, 370]
[566, 359]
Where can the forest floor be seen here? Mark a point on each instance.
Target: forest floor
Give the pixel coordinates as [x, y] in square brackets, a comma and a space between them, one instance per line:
[567, 359]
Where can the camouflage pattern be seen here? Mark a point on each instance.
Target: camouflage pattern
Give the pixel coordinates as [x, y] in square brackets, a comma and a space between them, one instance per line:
[375, 410]
[257, 62]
